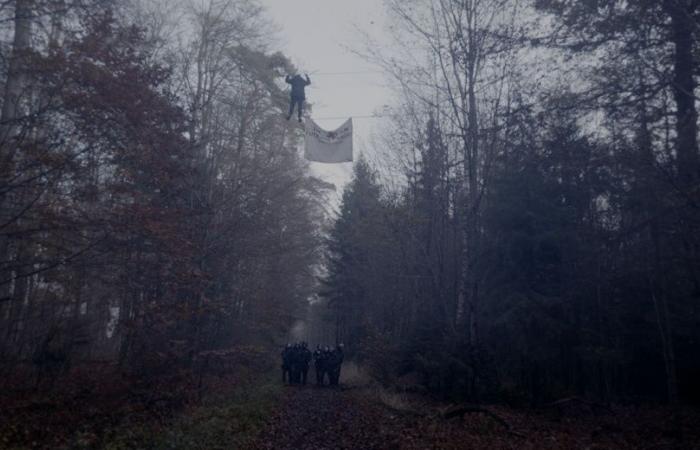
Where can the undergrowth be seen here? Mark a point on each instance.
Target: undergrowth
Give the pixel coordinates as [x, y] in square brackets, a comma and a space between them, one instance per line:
[229, 416]
[222, 421]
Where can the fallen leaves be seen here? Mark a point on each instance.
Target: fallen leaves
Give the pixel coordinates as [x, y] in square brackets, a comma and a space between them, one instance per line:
[313, 418]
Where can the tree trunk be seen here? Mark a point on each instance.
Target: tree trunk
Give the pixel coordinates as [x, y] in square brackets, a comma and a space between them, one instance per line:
[658, 294]
[11, 111]
[472, 287]
[656, 269]
[16, 74]
[682, 37]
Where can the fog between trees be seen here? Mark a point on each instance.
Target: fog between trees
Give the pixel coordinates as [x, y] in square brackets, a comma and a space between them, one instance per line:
[543, 241]
[154, 207]
[529, 230]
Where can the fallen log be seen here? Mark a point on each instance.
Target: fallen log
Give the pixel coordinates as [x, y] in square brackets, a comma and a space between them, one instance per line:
[564, 402]
[461, 410]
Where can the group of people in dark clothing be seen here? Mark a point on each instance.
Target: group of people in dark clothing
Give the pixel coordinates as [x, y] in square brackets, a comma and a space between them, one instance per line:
[296, 361]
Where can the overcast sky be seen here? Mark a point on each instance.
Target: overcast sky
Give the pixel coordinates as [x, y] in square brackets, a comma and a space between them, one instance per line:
[317, 36]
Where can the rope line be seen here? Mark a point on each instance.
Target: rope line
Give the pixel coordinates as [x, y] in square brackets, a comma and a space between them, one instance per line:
[357, 72]
[375, 116]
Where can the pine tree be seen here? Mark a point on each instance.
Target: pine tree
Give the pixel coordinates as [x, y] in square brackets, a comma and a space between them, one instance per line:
[352, 252]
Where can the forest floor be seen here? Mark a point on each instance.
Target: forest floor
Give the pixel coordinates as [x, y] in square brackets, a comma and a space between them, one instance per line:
[262, 414]
[355, 417]
[99, 413]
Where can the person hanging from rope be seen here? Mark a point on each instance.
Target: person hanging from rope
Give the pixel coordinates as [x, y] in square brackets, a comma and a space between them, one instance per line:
[298, 95]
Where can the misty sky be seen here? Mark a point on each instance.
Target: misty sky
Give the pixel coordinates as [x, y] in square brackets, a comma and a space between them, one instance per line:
[318, 35]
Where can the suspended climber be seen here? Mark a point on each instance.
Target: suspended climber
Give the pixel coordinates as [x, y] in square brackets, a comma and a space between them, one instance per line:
[298, 95]
[320, 145]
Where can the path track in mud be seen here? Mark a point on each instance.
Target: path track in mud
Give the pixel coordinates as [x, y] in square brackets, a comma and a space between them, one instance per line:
[312, 418]
[327, 418]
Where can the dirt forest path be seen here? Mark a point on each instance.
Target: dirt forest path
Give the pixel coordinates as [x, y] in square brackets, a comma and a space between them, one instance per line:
[327, 418]
[312, 418]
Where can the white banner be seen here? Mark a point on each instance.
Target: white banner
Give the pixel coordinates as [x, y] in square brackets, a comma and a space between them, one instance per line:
[328, 146]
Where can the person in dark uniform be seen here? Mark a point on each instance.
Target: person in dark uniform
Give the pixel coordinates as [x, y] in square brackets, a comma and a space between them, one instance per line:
[295, 366]
[327, 358]
[318, 365]
[287, 364]
[298, 95]
[304, 360]
[336, 361]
